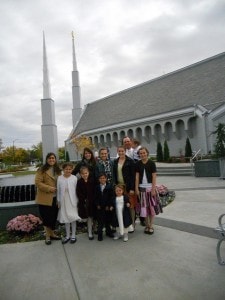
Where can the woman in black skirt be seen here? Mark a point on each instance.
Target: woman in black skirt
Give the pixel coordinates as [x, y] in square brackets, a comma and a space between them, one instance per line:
[45, 181]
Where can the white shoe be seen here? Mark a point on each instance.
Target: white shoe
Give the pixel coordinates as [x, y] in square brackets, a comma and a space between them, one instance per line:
[125, 237]
[131, 229]
[117, 236]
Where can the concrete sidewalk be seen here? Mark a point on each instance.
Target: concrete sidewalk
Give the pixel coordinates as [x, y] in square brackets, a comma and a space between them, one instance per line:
[173, 264]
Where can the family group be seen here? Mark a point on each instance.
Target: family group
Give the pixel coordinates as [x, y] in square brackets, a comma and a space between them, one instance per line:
[104, 193]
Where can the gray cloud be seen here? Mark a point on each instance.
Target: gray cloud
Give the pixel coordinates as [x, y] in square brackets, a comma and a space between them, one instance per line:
[118, 44]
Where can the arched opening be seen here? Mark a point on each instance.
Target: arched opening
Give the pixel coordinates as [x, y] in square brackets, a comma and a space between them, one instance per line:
[102, 141]
[115, 139]
[130, 133]
[192, 127]
[180, 131]
[148, 133]
[168, 131]
[139, 134]
[158, 133]
[108, 140]
[96, 141]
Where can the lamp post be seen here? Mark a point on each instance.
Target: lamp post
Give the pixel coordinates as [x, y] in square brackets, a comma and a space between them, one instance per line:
[14, 151]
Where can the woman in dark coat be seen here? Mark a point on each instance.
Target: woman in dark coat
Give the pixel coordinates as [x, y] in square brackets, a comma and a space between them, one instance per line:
[88, 160]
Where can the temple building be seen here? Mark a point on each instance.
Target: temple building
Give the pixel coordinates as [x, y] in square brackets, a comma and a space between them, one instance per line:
[189, 102]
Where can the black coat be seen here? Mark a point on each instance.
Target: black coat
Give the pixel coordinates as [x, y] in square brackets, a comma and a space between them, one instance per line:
[128, 172]
[104, 199]
[85, 193]
[127, 220]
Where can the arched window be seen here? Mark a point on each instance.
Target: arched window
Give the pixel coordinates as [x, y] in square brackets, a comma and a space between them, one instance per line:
[96, 141]
[122, 135]
[192, 127]
[148, 133]
[180, 132]
[168, 131]
[139, 134]
[158, 133]
[130, 133]
[115, 139]
[108, 140]
[102, 141]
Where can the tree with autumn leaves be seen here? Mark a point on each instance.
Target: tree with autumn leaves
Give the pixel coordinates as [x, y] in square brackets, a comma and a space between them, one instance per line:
[81, 142]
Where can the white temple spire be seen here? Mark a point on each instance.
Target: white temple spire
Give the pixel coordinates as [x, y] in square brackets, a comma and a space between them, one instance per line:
[76, 111]
[74, 55]
[46, 82]
[48, 127]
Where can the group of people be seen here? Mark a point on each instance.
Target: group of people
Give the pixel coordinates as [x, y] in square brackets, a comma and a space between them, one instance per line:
[102, 192]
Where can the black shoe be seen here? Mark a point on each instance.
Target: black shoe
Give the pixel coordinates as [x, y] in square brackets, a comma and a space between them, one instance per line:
[91, 238]
[48, 242]
[55, 237]
[65, 240]
[73, 240]
[110, 234]
[100, 238]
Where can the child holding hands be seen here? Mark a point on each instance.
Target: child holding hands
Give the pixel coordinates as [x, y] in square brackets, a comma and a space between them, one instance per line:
[122, 217]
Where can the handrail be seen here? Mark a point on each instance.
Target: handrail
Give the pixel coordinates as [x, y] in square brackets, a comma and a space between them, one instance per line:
[199, 150]
[192, 159]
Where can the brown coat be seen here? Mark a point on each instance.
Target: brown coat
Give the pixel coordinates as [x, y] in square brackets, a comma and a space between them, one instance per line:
[44, 181]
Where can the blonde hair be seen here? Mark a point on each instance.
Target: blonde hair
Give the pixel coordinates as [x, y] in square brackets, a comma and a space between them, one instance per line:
[121, 186]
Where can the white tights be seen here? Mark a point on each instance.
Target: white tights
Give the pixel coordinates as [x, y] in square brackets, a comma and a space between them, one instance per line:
[73, 227]
[89, 225]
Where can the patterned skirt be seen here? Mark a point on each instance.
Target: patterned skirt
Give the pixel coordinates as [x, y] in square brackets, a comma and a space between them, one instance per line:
[149, 205]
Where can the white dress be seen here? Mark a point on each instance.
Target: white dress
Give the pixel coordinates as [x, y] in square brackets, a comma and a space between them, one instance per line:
[119, 213]
[67, 198]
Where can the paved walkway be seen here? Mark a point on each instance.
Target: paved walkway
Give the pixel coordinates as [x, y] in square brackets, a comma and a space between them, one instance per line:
[176, 263]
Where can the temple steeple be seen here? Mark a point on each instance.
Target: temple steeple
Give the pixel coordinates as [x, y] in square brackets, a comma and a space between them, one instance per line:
[76, 111]
[48, 127]
[46, 82]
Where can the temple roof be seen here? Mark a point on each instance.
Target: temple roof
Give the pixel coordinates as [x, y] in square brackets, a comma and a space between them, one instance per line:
[202, 83]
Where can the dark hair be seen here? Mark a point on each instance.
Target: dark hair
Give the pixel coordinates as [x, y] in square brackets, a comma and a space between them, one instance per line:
[136, 142]
[102, 174]
[103, 148]
[144, 148]
[67, 164]
[92, 159]
[121, 146]
[46, 166]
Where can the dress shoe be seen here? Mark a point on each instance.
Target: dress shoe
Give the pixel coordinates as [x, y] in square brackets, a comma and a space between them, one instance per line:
[73, 240]
[110, 234]
[91, 238]
[65, 240]
[48, 242]
[55, 237]
[100, 237]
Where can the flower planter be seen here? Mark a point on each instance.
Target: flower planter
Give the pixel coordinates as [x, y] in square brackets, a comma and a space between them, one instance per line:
[207, 168]
[12, 210]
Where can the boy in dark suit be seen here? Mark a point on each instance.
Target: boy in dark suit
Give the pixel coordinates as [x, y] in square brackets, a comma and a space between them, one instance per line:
[104, 204]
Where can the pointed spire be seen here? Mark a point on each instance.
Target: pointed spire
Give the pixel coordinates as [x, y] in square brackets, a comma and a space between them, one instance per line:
[46, 82]
[74, 55]
[76, 111]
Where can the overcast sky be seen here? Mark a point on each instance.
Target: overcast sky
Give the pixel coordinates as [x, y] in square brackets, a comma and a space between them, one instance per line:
[119, 44]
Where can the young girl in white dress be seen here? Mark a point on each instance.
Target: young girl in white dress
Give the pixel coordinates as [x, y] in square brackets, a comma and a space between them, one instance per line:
[122, 214]
[67, 202]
